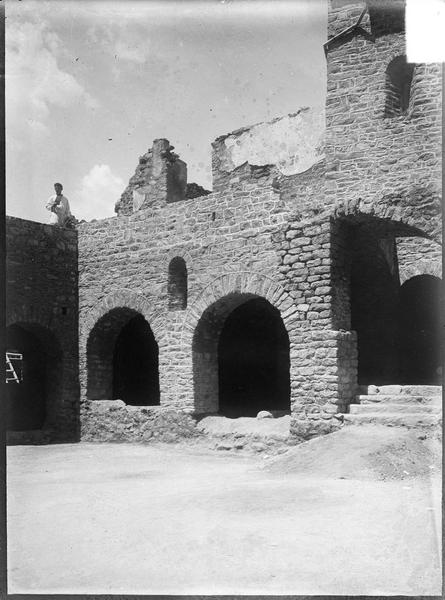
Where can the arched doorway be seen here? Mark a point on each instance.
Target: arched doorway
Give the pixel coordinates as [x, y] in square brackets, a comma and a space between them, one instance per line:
[241, 358]
[123, 359]
[37, 385]
[253, 361]
[419, 330]
[374, 295]
[368, 256]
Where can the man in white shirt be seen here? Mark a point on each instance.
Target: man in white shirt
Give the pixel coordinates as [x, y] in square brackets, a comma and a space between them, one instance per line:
[59, 207]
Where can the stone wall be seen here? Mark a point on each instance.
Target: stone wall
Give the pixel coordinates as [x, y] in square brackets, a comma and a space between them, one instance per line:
[383, 171]
[220, 234]
[325, 232]
[42, 298]
[113, 421]
[385, 166]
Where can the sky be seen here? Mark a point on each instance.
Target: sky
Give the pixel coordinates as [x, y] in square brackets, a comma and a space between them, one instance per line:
[90, 84]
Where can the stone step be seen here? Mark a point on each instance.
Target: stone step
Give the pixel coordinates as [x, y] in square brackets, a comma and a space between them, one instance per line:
[399, 399]
[411, 390]
[393, 419]
[408, 408]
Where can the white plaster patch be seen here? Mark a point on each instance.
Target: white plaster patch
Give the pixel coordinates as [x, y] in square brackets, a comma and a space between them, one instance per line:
[293, 143]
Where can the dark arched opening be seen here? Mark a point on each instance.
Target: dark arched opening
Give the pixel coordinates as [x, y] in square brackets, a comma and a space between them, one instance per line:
[374, 294]
[36, 386]
[399, 75]
[366, 290]
[123, 359]
[253, 361]
[177, 284]
[241, 358]
[419, 330]
[135, 364]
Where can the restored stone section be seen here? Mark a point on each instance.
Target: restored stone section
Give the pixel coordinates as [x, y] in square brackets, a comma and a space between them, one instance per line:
[418, 256]
[113, 421]
[390, 166]
[42, 302]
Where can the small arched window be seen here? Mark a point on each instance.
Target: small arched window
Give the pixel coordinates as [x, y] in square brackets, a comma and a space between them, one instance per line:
[177, 284]
[399, 75]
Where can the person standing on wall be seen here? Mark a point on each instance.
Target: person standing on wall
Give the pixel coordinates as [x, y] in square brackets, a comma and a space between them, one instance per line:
[59, 207]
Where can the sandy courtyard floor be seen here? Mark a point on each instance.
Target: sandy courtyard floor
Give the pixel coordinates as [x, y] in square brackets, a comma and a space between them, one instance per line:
[121, 518]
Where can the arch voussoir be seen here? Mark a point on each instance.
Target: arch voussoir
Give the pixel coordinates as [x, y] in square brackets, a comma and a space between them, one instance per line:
[242, 282]
[133, 300]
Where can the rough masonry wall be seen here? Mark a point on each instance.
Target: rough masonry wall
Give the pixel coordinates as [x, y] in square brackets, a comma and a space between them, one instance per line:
[160, 177]
[219, 234]
[386, 166]
[41, 270]
[234, 244]
[418, 256]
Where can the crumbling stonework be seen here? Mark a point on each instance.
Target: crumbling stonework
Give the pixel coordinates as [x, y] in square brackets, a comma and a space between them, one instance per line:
[322, 218]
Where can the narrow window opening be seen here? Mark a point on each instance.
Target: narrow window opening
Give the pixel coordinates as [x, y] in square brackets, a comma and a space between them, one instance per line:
[399, 76]
[177, 284]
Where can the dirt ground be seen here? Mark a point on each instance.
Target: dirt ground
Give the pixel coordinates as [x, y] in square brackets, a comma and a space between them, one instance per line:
[353, 513]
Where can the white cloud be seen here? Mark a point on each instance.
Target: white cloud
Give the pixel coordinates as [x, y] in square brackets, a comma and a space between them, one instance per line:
[34, 79]
[97, 194]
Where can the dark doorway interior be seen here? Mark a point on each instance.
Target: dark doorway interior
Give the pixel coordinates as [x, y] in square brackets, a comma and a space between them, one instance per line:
[374, 298]
[419, 330]
[253, 361]
[26, 400]
[135, 364]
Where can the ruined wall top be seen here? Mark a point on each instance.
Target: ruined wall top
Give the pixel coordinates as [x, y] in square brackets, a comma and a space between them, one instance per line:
[160, 177]
[288, 145]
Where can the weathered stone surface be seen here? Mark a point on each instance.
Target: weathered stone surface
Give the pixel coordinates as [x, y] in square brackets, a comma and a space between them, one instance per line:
[42, 298]
[291, 219]
[114, 421]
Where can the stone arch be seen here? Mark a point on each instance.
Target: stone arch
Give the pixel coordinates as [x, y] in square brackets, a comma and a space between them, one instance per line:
[241, 357]
[422, 267]
[172, 252]
[122, 359]
[407, 219]
[124, 298]
[365, 284]
[244, 282]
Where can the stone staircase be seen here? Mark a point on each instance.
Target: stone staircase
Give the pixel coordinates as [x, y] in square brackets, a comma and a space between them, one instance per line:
[397, 405]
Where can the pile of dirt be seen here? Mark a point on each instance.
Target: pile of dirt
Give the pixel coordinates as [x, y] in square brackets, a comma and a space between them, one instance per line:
[367, 452]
